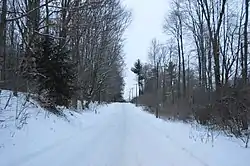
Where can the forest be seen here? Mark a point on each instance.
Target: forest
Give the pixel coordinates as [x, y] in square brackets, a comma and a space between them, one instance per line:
[201, 72]
[63, 51]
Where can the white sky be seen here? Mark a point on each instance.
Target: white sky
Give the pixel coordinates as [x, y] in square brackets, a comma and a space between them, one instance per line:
[147, 20]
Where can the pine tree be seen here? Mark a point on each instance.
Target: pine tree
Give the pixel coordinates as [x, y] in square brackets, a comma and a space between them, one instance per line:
[55, 73]
[137, 69]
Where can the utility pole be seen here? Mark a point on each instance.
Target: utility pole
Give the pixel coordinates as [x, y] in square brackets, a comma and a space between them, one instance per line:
[129, 95]
[136, 96]
[132, 93]
[157, 87]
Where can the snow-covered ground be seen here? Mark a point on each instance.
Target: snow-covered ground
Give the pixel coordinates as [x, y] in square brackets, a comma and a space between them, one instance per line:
[119, 135]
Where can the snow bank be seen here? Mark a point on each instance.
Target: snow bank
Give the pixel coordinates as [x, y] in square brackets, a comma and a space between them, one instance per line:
[35, 129]
[211, 148]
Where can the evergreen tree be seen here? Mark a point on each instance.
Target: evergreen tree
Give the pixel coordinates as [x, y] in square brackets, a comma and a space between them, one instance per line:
[138, 70]
[55, 73]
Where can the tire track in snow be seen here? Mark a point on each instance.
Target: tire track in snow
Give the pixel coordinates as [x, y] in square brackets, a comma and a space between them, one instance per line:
[60, 143]
[179, 146]
[94, 144]
[176, 144]
[146, 151]
[29, 157]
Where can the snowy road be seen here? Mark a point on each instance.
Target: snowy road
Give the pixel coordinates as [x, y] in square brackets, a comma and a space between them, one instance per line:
[122, 135]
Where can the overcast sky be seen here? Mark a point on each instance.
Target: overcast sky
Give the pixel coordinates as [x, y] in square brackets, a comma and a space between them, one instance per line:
[147, 20]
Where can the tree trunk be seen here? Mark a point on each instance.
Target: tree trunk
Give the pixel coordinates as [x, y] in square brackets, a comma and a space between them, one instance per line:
[242, 63]
[210, 68]
[179, 67]
[47, 18]
[164, 86]
[244, 74]
[216, 54]
[63, 31]
[203, 59]
[183, 61]
[199, 62]
[3, 38]
[238, 51]
[201, 36]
